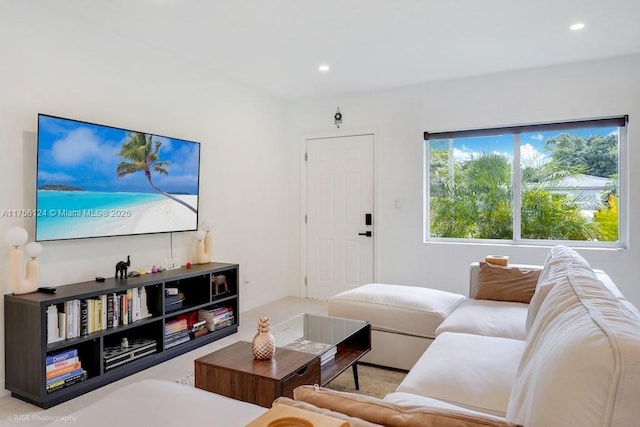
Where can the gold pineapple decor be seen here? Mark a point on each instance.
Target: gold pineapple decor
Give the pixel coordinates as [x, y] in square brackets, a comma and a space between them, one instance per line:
[264, 344]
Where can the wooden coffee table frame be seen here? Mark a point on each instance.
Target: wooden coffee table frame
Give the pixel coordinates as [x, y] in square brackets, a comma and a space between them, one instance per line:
[233, 372]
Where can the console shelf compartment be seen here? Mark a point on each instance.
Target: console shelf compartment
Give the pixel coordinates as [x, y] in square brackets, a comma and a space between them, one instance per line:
[27, 345]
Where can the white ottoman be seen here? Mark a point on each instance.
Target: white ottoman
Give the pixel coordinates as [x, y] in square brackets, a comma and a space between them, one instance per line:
[403, 318]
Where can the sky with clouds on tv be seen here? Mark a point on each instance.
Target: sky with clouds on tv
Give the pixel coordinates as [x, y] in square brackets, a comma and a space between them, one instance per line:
[85, 155]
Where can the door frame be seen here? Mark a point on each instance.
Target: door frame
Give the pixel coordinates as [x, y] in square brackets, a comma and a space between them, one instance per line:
[303, 202]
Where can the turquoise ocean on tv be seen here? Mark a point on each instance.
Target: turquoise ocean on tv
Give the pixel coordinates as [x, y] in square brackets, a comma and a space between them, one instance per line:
[73, 212]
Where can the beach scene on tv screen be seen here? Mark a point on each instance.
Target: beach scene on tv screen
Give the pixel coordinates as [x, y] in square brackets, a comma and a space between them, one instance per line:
[96, 181]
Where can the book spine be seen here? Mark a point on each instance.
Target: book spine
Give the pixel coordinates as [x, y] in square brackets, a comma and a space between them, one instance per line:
[137, 306]
[116, 310]
[96, 314]
[67, 382]
[84, 317]
[62, 363]
[103, 312]
[130, 305]
[175, 335]
[91, 306]
[65, 376]
[175, 342]
[70, 326]
[144, 308]
[110, 311]
[52, 323]
[221, 311]
[76, 309]
[62, 325]
[125, 310]
[61, 356]
[63, 370]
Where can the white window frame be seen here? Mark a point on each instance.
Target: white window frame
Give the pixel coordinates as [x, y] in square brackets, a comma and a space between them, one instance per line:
[623, 182]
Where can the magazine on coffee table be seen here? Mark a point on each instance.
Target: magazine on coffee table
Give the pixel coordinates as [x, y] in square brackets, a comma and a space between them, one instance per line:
[307, 346]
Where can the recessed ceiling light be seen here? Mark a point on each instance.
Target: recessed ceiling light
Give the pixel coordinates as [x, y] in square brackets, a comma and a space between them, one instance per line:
[324, 68]
[577, 26]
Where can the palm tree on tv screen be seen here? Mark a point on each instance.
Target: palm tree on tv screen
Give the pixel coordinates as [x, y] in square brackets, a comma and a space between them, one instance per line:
[140, 156]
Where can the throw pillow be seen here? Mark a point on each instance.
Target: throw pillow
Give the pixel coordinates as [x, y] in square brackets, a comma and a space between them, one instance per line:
[387, 414]
[515, 284]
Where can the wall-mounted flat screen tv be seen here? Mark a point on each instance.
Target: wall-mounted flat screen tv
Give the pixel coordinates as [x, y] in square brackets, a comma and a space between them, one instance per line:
[97, 181]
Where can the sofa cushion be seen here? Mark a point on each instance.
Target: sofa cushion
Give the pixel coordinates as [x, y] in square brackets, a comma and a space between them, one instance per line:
[405, 309]
[559, 262]
[486, 317]
[378, 411]
[410, 399]
[581, 366]
[472, 371]
[514, 284]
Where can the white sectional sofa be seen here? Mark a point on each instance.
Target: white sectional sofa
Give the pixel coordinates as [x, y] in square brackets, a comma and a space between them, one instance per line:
[568, 358]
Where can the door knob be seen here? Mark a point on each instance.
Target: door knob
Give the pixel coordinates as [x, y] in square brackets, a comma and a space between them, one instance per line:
[366, 233]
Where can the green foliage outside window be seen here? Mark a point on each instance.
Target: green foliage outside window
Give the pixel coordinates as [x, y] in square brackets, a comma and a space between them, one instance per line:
[473, 199]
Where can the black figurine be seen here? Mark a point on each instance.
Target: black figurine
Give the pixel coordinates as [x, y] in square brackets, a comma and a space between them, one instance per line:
[121, 267]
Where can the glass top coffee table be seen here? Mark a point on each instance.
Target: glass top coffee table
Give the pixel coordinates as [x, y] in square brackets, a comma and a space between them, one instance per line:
[339, 342]
[310, 350]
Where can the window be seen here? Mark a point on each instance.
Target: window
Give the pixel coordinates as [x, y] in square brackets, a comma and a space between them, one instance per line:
[543, 183]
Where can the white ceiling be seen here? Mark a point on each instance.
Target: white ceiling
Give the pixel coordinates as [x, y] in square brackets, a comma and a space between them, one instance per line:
[277, 45]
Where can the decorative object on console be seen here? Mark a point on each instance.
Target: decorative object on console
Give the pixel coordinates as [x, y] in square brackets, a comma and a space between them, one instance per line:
[170, 263]
[337, 118]
[16, 237]
[203, 247]
[220, 284]
[122, 267]
[264, 343]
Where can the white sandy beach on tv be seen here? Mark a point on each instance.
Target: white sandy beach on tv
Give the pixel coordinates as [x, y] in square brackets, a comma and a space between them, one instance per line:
[162, 215]
[165, 215]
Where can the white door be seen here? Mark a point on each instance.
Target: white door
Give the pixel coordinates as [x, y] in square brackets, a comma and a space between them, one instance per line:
[339, 214]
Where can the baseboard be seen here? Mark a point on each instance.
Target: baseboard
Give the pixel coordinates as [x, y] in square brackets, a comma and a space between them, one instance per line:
[4, 391]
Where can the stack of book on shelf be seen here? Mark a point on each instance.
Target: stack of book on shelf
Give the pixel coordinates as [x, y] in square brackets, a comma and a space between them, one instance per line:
[79, 317]
[326, 351]
[127, 351]
[173, 299]
[176, 332]
[328, 355]
[64, 369]
[199, 329]
[217, 318]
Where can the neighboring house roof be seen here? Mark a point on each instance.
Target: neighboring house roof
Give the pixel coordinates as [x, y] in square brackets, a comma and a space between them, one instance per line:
[578, 182]
[583, 182]
[587, 189]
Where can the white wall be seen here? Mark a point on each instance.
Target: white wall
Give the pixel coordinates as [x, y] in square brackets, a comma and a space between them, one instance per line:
[252, 151]
[53, 65]
[584, 90]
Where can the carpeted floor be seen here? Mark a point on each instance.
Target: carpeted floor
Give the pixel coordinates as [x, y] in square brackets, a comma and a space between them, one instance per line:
[374, 380]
